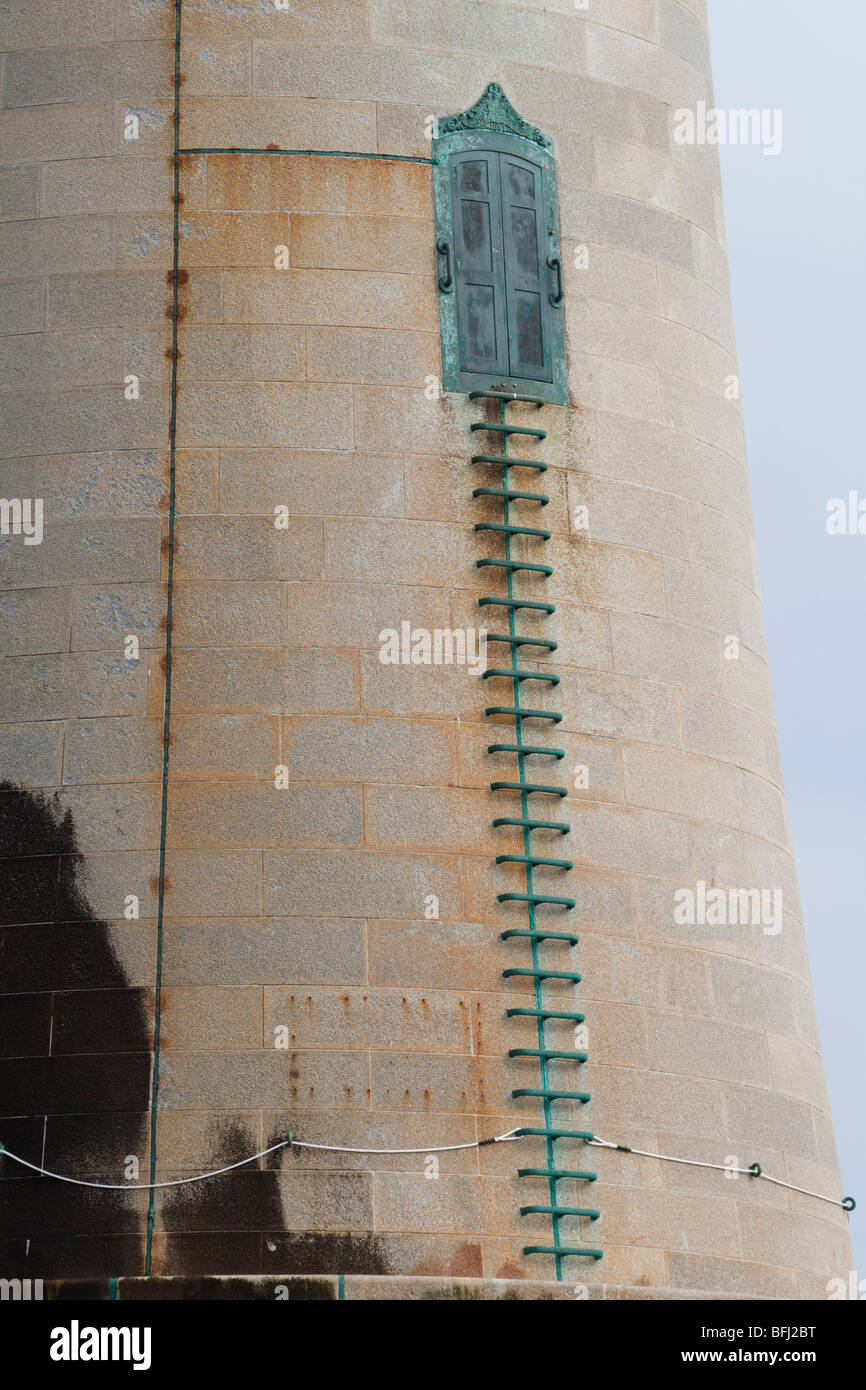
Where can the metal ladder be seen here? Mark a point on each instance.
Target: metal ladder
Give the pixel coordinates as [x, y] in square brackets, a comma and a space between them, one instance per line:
[549, 1093]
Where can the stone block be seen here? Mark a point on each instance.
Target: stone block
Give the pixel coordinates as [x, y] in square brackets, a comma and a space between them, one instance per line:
[374, 884]
[247, 122]
[631, 516]
[135, 72]
[244, 681]
[208, 816]
[21, 306]
[20, 192]
[310, 481]
[112, 750]
[224, 613]
[635, 171]
[262, 1078]
[61, 685]
[102, 616]
[368, 750]
[456, 27]
[33, 621]
[126, 297]
[210, 951]
[631, 62]
[381, 1019]
[319, 184]
[208, 1019]
[247, 549]
[30, 754]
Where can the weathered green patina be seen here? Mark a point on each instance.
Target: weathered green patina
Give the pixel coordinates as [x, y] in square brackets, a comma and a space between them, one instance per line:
[500, 265]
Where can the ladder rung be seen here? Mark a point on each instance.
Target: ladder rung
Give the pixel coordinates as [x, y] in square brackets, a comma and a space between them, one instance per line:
[513, 566]
[507, 429]
[510, 495]
[584, 1134]
[545, 1014]
[506, 460]
[517, 603]
[526, 824]
[546, 1094]
[537, 900]
[539, 973]
[527, 750]
[558, 1174]
[562, 1211]
[504, 530]
[507, 396]
[546, 642]
[515, 674]
[540, 936]
[550, 1057]
[562, 1250]
[553, 715]
[533, 862]
[531, 788]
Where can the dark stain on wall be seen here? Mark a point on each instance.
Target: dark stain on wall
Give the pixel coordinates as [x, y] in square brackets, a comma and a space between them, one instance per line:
[75, 1045]
[75, 1059]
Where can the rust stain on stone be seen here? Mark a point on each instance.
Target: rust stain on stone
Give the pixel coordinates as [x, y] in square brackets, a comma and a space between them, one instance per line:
[467, 1261]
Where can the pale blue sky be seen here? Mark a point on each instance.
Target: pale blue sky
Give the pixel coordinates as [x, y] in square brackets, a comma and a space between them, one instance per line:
[797, 242]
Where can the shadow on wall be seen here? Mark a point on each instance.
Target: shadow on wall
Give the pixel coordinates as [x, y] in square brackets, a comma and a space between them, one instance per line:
[75, 1056]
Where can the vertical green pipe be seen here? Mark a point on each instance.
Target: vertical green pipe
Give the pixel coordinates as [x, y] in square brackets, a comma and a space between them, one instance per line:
[172, 437]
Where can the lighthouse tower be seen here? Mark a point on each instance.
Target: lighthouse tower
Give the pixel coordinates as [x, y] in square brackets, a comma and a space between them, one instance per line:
[387, 753]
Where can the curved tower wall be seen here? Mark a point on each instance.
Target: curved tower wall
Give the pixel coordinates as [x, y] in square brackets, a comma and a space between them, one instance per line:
[301, 985]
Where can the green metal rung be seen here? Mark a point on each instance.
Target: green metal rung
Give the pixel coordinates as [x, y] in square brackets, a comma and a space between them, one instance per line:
[545, 1014]
[507, 396]
[503, 530]
[534, 862]
[558, 1174]
[544, 1093]
[526, 824]
[528, 750]
[513, 566]
[553, 715]
[515, 673]
[562, 1250]
[530, 788]
[539, 936]
[508, 461]
[509, 495]
[545, 642]
[517, 603]
[506, 429]
[536, 899]
[550, 1057]
[561, 1211]
[538, 973]
[584, 1134]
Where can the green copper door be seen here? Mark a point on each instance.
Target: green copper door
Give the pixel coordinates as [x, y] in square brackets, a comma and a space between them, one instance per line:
[500, 269]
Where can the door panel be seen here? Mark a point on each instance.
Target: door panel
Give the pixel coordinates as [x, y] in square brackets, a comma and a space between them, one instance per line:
[526, 272]
[479, 270]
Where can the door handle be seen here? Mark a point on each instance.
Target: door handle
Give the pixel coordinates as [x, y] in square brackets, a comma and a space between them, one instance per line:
[555, 297]
[446, 281]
